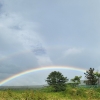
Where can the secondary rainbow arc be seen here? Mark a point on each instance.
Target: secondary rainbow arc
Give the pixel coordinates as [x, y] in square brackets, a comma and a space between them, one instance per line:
[39, 69]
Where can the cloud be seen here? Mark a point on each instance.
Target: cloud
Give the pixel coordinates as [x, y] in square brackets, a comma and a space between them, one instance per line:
[73, 51]
[32, 34]
[44, 60]
[21, 47]
[1, 5]
[39, 51]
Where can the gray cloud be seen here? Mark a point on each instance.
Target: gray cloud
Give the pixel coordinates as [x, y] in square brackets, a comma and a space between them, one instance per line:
[16, 27]
[35, 34]
[1, 5]
[39, 51]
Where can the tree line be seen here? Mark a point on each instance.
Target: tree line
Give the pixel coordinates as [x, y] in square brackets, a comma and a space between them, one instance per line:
[58, 82]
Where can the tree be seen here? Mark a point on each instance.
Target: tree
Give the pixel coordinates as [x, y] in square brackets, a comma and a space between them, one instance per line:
[57, 81]
[90, 76]
[97, 74]
[76, 79]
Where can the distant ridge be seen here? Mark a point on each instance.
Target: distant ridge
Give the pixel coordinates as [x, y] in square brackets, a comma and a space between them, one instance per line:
[23, 87]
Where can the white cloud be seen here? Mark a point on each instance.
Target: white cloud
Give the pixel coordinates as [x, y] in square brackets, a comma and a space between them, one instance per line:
[15, 30]
[73, 51]
[44, 60]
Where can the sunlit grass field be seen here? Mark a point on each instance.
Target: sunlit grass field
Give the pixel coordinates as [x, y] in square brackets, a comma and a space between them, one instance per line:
[71, 93]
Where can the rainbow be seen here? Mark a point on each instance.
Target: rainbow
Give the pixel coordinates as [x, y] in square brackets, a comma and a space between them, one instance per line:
[39, 69]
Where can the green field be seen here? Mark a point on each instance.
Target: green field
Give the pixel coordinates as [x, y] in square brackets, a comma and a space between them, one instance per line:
[71, 93]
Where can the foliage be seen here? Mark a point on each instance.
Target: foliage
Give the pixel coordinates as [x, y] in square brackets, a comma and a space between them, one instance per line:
[90, 76]
[97, 74]
[91, 92]
[76, 79]
[71, 93]
[57, 81]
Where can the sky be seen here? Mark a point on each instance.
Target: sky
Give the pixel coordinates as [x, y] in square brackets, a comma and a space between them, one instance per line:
[48, 33]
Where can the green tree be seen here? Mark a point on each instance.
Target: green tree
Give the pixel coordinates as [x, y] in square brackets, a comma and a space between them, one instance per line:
[97, 74]
[76, 79]
[91, 77]
[57, 81]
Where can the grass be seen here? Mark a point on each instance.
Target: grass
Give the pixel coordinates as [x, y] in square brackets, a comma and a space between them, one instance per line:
[76, 93]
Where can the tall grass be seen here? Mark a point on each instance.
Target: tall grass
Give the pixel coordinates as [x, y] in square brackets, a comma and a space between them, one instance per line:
[71, 93]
